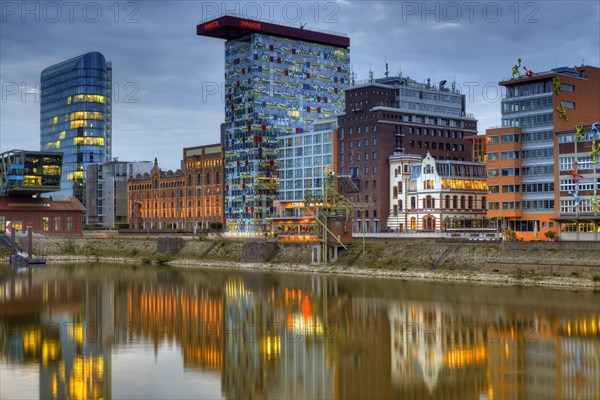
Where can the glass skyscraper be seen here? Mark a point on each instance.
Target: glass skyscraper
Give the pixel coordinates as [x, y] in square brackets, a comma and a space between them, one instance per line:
[75, 116]
[279, 80]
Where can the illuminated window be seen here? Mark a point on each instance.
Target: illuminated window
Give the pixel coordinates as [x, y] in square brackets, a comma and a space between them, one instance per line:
[45, 224]
[86, 115]
[55, 120]
[91, 141]
[62, 135]
[51, 170]
[77, 175]
[31, 180]
[57, 224]
[79, 124]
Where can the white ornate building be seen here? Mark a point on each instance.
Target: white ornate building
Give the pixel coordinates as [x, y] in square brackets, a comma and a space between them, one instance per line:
[435, 195]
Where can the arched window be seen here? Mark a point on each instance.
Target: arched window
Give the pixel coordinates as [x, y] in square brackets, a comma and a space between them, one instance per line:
[399, 187]
[400, 205]
[395, 191]
[413, 202]
[483, 203]
[463, 202]
[207, 180]
[455, 202]
[217, 179]
[413, 223]
[199, 179]
[447, 201]
[470, 202]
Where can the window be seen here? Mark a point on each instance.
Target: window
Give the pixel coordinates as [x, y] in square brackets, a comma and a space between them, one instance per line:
[567, 104]
[45, 224]
[492, 156]
[568, 88]
[510, 155]
[511, 205]
[565, 163]
[494, 205]
[69, 224]
[57, 224]
[510, 171]
[510, 138]
[510, 188]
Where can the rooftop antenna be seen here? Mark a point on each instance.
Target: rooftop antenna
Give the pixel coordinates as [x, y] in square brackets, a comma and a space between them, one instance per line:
[370, 74]
[302, 25]
[400, 72]
[387, 70]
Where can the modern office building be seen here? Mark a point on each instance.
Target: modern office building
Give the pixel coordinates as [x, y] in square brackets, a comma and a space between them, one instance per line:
[279, 81]
[435, 195]
[525, 170]
[76, 116]
[579, 183]
[107, 192]
[24, 176]
[305, 160]
[398, 114]
[27, 173]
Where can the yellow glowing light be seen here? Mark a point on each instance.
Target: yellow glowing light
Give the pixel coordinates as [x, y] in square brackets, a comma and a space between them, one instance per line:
[55, 145]
[32, 180]
[90, 141]
[89, 98]
[55, 120]
[51, 170]
[78, 124]
[86, 115]
[75, 175]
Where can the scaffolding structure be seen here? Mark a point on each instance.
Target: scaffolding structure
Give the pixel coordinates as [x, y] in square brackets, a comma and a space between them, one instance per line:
[333, 213]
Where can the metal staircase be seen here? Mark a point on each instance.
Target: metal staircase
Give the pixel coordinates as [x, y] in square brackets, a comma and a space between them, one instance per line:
[18, 258]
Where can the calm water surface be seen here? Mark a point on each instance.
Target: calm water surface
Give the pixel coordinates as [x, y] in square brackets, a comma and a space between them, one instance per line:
[120, 332]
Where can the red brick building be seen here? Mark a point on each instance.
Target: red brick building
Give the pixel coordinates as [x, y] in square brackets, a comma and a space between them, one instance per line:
[399, 115]
[180, 200]
[53, 217]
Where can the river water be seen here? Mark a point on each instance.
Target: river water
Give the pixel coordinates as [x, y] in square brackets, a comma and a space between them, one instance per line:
[123, 332]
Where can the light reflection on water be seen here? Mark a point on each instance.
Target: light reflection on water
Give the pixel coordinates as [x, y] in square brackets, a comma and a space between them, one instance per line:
[122, 332]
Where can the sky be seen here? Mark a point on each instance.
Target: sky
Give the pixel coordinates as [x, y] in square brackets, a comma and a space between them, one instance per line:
[168, 82]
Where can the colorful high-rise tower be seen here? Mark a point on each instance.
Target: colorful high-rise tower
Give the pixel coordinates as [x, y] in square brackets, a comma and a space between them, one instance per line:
[76, 115]
[278, 80]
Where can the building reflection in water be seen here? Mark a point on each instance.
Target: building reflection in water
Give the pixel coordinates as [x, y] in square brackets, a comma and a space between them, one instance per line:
[294, 337]
[58, 325]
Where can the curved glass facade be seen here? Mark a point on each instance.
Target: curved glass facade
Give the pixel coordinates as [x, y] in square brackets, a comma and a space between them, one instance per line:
[75, 116]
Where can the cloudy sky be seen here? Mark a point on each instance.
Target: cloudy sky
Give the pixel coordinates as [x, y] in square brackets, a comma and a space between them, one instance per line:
[165, 76]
